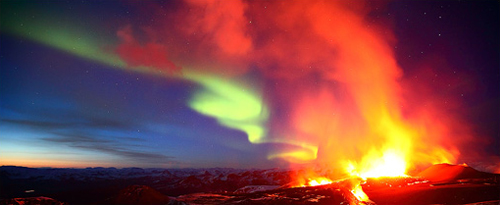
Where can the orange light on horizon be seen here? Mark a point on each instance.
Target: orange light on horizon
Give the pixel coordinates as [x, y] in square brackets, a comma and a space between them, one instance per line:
[33, 162]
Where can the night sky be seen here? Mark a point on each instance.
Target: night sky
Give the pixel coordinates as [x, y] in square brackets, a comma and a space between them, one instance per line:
[243, 84]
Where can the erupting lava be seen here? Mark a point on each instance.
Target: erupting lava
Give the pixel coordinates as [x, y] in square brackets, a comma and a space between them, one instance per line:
[358, 192]
[337, 96]
[357, 116]
[319, 181]
[389, 165]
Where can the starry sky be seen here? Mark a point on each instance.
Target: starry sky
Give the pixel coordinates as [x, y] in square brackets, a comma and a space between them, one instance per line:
[243, 84]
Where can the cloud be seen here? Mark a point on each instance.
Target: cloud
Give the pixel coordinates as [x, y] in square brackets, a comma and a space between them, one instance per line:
[142, 157]
[50, 121]
[151, 54]
[91, 132]
[332, 74]
[221, 24]
[34, 123]
[76, 139]
[110, 145]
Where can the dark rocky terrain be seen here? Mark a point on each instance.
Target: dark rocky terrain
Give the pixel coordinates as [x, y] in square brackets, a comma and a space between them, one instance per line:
[439, 184]
[32, 200]
[95, 185]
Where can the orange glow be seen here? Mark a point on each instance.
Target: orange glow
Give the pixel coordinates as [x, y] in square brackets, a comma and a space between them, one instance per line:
[35, 160]
[358, 192]
[343, 98]
[358, 116]
[319, 181]
[53, 163]
[390, 164]
[353, 184]
[314, 181]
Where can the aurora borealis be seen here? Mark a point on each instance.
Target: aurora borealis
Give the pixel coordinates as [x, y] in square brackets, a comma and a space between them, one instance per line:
[246, 84]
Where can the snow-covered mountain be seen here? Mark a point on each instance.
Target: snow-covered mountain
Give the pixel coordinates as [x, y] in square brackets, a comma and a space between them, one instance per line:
[98, 173]
[72, 184]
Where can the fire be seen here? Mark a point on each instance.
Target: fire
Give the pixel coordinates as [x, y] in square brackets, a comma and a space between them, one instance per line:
[320, 181]
[342, 98]
[389, 165]
[358, 192]
[315, 181]
[353, 184]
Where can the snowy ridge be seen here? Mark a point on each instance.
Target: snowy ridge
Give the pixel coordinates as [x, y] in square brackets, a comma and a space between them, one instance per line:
[173, 182]
[109, 173]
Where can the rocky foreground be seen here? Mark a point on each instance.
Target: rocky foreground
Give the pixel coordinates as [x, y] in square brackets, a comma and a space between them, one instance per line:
[439, 184]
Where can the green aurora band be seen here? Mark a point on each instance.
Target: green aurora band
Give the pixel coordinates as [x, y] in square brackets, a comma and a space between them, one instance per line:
[51, 31]
[234, 106]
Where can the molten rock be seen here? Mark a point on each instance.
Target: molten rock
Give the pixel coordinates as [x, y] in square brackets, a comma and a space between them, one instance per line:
[439, 184]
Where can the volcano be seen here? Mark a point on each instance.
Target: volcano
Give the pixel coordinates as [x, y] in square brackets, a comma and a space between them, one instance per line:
[300, 102]
[438, 184]
[446, 173]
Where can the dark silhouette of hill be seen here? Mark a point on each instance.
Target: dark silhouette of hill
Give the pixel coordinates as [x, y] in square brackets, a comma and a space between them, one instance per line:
[446, 173]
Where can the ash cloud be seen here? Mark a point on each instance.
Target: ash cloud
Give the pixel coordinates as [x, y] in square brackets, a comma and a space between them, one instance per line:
[112, 147]
[330, 77]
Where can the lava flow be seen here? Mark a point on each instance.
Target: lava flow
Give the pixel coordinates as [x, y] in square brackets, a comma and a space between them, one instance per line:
[390, 165]
[320, 181]
[358, 192]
